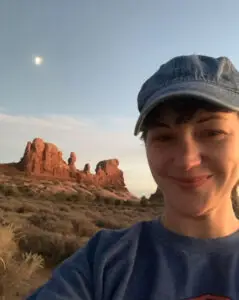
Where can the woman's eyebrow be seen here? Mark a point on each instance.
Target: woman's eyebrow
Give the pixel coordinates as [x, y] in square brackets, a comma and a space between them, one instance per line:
[212, 117]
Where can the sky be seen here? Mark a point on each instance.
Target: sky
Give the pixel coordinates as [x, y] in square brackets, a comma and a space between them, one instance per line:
[97, 54]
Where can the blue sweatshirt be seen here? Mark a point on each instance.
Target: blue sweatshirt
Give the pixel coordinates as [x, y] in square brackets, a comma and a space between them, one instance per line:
[147, 262]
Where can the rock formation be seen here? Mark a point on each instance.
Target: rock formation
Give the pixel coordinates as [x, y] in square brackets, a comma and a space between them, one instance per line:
[72, 160]
[87, 169]
[109, 174]
[44, 159]
[71, 164]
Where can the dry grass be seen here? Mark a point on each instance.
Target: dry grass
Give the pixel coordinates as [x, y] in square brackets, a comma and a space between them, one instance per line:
[53, 227]
[54, 247]
[16, 269]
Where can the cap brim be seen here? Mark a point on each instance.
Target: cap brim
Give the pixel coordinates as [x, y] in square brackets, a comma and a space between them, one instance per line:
[208, 92]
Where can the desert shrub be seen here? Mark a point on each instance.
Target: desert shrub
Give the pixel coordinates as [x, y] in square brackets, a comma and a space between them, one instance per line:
[109, 223]
[129, 203]
[111, 201]
[105, 200]
[53, 247]
[24, 207]
[70, 197]
[144, 198]
[77, 197]
[118, 202]
[39, 219]
[108, 200]
[26, 191]
[235, 208]
[8, 190]
[142, 209]
[50, 222]
[144, 201]
[20, 210]
[16, 269]
[64, 208]
[85, 197]
[92, 214]
[60, 196]
[56, 182]
[83, 227]
[99, 199]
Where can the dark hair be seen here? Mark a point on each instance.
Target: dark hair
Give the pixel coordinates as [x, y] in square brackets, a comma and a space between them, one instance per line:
[185, 108]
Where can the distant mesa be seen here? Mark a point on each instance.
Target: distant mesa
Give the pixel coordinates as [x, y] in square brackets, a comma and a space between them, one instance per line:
[45, 160]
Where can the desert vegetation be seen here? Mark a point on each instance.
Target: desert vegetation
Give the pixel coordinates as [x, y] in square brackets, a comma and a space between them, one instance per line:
[42, 223]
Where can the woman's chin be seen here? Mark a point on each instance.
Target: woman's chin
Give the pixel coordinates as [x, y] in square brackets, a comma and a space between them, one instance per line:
[194, 205]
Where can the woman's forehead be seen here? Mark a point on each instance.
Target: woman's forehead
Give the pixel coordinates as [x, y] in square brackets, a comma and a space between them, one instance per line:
[184, 109]
[170, 116]
[186, 113]
[199, 116]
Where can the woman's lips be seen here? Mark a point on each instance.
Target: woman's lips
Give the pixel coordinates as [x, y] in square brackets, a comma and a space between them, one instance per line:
[191, 182]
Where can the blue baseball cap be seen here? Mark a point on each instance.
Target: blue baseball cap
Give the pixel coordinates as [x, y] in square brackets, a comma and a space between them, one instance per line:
[215, 80]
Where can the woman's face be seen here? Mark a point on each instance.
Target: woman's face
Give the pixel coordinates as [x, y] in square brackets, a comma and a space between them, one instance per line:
[195, 164]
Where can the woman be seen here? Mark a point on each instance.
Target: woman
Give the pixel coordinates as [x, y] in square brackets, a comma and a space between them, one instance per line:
[190, 126]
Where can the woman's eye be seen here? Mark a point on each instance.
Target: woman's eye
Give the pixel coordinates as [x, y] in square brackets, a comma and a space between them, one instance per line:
[164, 138]
[213, 133]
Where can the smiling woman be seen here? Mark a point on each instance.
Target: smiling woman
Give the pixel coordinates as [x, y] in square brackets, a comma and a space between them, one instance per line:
[195, 163]
[192, 146]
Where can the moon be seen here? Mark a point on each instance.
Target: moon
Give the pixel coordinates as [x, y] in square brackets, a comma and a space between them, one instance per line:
[38, 60]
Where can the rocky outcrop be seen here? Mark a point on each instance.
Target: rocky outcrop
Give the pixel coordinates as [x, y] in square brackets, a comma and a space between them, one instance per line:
[108, 173]
[72, 160]
[45, 159]
[87, 169]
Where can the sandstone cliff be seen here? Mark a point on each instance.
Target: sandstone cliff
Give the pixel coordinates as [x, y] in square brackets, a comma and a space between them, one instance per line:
[44, 159]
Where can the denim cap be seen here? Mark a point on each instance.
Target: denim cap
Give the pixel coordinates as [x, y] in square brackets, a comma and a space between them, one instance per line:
[215, 80]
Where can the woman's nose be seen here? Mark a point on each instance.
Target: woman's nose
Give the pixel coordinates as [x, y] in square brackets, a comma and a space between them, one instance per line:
[188, 154]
